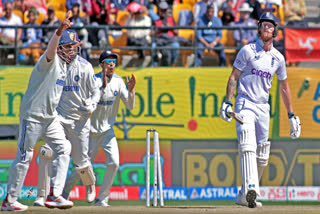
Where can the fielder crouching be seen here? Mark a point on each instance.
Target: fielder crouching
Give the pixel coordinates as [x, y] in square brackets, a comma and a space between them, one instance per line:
[254, 67]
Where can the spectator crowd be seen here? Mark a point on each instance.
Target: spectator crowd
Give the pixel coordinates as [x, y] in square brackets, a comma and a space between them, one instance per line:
[210, 16]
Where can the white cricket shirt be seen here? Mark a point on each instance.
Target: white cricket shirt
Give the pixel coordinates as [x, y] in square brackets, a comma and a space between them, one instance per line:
[44, 90]
[80, 85]
[105, 115]
[258, 67]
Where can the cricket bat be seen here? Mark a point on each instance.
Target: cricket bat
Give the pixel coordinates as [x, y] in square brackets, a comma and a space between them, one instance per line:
[236, 116]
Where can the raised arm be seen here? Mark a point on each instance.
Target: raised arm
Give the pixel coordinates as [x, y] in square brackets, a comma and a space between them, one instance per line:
[54, 41]
[128, 96]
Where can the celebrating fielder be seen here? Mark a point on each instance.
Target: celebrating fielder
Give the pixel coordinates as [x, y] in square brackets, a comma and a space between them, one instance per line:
[102, 120]
[254, 67]
[79, 98]
[38, 119]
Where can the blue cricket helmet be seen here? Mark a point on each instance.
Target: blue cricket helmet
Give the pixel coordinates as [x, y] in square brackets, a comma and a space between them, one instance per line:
[269, 17]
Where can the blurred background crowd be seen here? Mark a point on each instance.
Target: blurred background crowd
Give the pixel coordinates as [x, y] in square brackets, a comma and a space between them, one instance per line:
[91, 16]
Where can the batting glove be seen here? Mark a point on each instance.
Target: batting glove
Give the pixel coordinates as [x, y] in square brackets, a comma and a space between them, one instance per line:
[295, 126]
[225, 108]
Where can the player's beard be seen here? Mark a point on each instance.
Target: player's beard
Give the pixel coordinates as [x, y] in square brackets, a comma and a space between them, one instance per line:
[266, 36]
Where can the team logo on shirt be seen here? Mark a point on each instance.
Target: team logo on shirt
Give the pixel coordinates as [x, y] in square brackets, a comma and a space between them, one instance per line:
[76, 78]
[272, 61]
[257, 57]
[115, 93]
[238, 61]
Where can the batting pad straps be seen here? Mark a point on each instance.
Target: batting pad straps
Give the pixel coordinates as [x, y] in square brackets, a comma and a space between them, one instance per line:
[46, 152]
[86, 175]
[263, 151]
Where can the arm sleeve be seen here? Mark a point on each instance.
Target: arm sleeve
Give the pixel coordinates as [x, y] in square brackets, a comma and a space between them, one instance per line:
[236, 35]
[196, 12]
[127, 97]
[219, 24]
[241, 60]
[199, 32]
[282, 71]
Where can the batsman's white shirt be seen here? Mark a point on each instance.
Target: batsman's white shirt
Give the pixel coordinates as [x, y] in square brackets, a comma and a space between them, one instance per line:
[80, 85]
[38, 102]
[258, 67]
[105, 115]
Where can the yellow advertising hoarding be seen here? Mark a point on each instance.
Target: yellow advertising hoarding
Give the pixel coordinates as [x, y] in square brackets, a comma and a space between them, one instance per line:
[180, 103]
[305, 89]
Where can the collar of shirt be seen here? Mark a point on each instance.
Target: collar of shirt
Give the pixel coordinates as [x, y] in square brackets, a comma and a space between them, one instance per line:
[261, 44]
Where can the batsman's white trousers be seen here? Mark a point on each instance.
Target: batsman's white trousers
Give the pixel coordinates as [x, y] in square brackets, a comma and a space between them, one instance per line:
[258, 115]
[254, 131]
[109, 144]
[30, 133]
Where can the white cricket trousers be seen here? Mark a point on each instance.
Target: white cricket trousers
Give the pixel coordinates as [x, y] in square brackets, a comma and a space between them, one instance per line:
[253, 134]
[77, 132]
[108, 142]
[30, 133]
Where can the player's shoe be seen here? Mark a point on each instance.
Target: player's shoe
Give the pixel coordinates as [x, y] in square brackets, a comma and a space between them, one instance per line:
[39, 201]
[103, 203]
[58, 202]
[241, 200]
[90, 193]
[251, 198]
[15, 206]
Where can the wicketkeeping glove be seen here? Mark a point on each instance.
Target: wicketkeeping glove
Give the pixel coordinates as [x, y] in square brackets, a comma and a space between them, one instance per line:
[226, 107]
[295, 126]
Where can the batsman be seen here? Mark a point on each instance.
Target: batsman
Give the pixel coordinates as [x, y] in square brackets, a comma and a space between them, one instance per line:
[253, 69]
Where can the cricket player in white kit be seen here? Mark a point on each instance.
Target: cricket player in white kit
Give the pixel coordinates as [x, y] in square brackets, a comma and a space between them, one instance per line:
[102, 120]
[78, 100]
[254, 67]
[38, 120]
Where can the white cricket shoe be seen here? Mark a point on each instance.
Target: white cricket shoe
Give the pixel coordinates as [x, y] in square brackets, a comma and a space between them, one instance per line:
[103, 203]
[241, 200]
[58, 202]
[15, 206]
[39, 201]
[90, 193]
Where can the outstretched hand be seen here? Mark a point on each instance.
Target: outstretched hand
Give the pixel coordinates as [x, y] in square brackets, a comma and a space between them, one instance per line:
[66, 23]
[131, 83]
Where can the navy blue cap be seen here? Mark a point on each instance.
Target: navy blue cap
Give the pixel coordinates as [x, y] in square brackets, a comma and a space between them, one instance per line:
[69, 36]
[105, 54]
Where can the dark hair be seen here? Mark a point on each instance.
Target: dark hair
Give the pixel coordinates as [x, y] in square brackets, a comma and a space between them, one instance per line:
[210, 6]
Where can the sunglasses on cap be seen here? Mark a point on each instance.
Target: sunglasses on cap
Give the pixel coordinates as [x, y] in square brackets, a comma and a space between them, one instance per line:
[108, 61]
